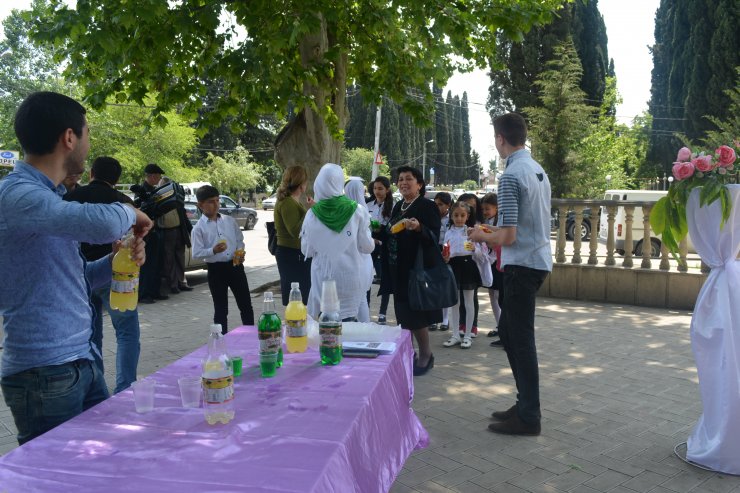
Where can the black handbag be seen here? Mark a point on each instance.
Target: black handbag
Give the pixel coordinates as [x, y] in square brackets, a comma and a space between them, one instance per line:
[271, 237]
[433, 288]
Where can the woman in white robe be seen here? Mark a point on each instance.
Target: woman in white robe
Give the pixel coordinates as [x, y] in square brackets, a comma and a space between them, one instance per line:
[336, 234]
[355, 190]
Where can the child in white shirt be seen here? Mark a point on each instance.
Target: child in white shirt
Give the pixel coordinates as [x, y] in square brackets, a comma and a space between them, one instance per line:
[465, 258]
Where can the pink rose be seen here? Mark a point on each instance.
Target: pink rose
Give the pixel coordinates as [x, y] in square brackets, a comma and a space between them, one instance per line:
[681, 171]
[725, 156]
[703, 163]
[684, 154]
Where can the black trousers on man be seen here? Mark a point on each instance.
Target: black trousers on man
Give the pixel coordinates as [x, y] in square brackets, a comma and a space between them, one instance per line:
[223, 276]
[516, 329]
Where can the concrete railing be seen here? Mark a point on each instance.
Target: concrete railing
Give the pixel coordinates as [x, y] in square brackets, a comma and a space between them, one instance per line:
[597, 270]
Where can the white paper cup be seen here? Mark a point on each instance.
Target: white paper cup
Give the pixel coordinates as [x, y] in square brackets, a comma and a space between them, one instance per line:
[191, 388]
[144, 395]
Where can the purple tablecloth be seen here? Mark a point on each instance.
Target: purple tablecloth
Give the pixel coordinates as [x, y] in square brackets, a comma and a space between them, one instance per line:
[347, 428]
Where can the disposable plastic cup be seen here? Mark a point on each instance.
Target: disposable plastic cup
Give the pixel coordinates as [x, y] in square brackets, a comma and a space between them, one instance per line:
[236, 365]
[191, 389]
[144, 395]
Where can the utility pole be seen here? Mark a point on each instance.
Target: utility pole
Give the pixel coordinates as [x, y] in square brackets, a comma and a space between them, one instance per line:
[424, 160]
[376, 164]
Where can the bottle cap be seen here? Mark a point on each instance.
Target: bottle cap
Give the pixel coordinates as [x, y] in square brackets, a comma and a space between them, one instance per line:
[215, 328]
[268, 296]
[329, 298]
[295, 285]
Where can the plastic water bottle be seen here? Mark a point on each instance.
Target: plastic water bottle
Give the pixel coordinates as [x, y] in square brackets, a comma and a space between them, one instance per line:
[124, 287]
[269, 331]
[296, 339]
[330, 325]
[218, 380]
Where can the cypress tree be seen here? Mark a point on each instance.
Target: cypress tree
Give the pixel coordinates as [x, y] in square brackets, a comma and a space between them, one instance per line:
[696, 50]
[389, 138]
[464, 112]
[518, 64]
[441, 135]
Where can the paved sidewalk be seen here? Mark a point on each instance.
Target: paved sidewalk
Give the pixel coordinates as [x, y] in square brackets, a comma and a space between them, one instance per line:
[619, 391]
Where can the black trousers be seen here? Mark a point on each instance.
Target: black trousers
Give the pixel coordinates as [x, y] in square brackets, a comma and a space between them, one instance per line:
[149, 280]
[516, 329]
[223, 276]
[293, 267]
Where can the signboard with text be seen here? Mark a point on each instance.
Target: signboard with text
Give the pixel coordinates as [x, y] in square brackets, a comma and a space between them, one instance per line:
[8, 158]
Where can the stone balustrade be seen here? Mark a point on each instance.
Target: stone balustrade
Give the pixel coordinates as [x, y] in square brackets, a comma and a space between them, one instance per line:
[634, 274]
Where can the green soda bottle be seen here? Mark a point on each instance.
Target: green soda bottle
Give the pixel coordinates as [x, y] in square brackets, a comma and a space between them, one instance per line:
[330, 325]
[269, 332]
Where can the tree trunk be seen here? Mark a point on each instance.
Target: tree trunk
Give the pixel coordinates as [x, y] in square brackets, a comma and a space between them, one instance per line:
[306, 140]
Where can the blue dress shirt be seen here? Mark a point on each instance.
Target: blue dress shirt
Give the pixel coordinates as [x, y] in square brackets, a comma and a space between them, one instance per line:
[44, 291]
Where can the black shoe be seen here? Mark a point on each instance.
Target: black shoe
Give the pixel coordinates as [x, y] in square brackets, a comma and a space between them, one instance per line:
[433, 327]
[493, 333]
[161, 297]
[504, 415]
[381, 319]
[175, 290]
[444, 327]
[515, 426]
[421, 370]
[185, 287]
[147, 300]
[497, 343]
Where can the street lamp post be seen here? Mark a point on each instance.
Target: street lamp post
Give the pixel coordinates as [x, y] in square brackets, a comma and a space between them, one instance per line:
[424, 159]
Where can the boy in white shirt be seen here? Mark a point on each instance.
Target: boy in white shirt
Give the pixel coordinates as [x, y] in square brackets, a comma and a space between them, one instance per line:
[218, 240]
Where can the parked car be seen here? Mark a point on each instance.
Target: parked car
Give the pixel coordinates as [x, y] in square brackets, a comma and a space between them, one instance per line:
[245, 217]
[638, 232]
[570, 224]
[269, 203]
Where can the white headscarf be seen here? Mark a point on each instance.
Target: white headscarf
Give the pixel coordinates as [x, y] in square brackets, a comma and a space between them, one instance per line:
[329, 182]
[355, 190]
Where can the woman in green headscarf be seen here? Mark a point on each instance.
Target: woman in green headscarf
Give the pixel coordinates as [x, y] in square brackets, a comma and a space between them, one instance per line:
[335, 234]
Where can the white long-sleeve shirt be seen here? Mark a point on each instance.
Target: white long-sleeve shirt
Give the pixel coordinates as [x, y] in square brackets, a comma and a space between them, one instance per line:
[206, 233]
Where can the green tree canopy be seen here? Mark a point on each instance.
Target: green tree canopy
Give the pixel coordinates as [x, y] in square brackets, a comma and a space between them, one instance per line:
[232, 173]
[561, 120]
[271, 55]
[358, 162]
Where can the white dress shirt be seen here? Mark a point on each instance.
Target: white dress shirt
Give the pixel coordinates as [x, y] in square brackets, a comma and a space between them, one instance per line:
[206, 233]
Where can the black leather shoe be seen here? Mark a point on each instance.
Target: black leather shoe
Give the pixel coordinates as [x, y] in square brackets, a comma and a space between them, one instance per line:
[185, 287]
[444, 327]
[493, 333]
[504, 415]
[497, 343]
[421, 370]
[515, 426]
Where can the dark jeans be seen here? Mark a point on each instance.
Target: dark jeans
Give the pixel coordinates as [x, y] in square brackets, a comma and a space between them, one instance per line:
[45, 397]
[223, 276]
[293, 267]
[516, 329]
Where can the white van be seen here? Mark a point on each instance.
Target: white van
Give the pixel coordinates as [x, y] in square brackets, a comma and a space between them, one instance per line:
[191, 188]
[620, 228]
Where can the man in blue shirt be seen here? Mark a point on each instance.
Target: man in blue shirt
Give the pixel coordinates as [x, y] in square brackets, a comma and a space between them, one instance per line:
[524, 235]
[48, 373]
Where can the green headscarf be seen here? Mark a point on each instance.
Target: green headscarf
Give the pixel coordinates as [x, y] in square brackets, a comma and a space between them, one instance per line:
[334, 212]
